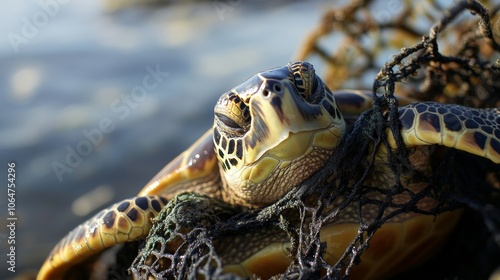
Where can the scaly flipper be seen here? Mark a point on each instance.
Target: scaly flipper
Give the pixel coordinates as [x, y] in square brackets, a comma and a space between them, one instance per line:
[354, 102]
[129, 220]
[476, 131]
[124, 221]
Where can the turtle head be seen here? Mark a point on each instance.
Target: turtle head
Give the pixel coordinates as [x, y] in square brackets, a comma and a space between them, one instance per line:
[274, 131]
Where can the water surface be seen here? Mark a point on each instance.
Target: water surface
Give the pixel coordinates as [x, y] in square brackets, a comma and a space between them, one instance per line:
[75, 74]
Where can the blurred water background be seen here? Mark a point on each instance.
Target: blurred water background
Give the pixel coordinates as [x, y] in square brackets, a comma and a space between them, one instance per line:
[69, 69]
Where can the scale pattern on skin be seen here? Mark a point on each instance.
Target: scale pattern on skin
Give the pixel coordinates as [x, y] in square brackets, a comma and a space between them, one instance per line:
[271, 133]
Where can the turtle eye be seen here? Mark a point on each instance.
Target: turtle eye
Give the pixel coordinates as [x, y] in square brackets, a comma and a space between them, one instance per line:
[304, 79]
[228, 122]
[314, 91]
[299, 84]
[232, 115]
[228, 126]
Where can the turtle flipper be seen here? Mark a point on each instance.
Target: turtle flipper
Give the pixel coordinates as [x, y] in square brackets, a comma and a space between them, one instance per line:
[476, 131]
[195, 170]
[124, 221]
[354, 102]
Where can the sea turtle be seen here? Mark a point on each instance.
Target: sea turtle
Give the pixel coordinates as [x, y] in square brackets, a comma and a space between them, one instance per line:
[270, 134]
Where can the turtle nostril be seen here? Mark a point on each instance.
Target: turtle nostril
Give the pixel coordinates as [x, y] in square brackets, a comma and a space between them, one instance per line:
[277, 88]
[265, 92]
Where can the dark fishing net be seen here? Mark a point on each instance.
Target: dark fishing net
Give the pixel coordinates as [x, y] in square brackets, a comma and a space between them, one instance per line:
[184, 240]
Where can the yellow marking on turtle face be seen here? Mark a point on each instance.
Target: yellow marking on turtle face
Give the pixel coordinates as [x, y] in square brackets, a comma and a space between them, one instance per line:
[327, 138]
[296, 145]
[245, 174]
[262, 169]
[235, 110]
[290, 126]
[291, 114]
[285, 164]
[264, 180]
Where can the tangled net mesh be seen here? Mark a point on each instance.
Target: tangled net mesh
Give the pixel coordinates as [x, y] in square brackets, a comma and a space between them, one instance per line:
[185, 235]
